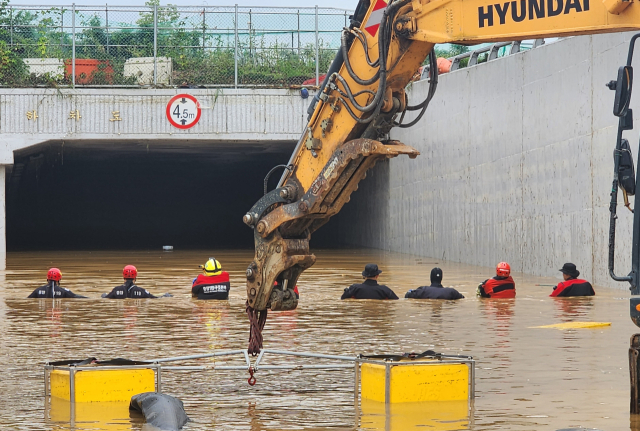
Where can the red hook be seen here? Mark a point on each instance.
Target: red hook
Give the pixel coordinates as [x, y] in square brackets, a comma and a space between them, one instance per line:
[251, 380]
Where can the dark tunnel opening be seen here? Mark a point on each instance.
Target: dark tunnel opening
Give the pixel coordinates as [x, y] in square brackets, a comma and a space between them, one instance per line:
[90, 195]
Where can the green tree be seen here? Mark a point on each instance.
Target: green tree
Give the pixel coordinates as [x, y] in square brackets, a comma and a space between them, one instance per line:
[93, 40]
[12, 67]
[167, 15]
[450, 50]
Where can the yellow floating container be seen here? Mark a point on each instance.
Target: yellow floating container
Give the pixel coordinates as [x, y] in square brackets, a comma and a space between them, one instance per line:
[96, 385]
[415, 381]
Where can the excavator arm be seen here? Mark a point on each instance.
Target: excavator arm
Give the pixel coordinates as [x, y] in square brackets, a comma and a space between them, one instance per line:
[363, 98]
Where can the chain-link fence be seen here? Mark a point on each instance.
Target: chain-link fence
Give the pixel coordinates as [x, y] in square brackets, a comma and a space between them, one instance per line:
[166, 45]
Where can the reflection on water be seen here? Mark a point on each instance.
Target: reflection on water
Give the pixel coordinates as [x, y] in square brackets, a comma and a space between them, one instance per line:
[573, 309]
[438, 415]
[526, 379]
[111, 416]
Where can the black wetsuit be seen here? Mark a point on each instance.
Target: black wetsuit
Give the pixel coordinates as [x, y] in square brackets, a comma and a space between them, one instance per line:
[435, 291]
[52, 290]
[369, 289]
[129, 290]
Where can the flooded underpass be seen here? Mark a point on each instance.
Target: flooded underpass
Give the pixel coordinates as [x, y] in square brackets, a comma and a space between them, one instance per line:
[527, 378]
[137, 195]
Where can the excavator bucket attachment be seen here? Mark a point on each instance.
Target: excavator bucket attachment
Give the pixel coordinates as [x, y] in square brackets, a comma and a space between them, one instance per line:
[282, 235]
[277, 260]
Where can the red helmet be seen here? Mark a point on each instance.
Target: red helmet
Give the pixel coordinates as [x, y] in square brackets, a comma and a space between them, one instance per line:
[54, 274]
[503, 269]
[130, 272]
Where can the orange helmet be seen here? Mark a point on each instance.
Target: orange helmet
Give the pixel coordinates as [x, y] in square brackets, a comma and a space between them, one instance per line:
[503, 269]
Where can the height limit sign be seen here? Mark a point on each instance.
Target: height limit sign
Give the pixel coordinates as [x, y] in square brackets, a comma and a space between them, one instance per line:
[183, 111]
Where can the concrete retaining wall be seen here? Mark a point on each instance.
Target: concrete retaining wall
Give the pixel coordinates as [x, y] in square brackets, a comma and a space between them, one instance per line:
[516, 165]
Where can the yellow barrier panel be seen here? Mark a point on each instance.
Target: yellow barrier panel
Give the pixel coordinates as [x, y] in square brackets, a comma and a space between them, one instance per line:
[432, 415]
[102, 385]
[575, 325]
[417, 382]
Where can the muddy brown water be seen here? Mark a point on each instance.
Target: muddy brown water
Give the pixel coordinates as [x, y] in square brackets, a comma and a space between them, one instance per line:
[526, 378]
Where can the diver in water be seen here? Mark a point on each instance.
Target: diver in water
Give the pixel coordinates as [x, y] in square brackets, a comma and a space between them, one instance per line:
[213, 283]
[129, 288]
[52, 289]
[435, 290]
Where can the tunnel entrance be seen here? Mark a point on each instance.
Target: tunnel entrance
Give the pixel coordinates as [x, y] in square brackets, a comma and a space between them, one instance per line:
[115, 195]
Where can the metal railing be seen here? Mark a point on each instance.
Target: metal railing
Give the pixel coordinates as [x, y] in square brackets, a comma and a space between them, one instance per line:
[167, 45]
[341, 362]
[485, 53]
[491, 51]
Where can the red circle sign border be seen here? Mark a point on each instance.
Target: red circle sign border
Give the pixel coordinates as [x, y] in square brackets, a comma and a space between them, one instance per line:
[186, 96]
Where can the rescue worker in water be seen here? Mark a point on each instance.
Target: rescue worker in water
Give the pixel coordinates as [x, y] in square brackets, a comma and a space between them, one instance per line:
[369, 289]
[52, 289]
[436, 290]
[213, 283]
[500, 286]
[572, 285]
[129, 288]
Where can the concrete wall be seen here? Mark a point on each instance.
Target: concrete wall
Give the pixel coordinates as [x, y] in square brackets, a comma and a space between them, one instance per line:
[228, 115]
[516, 165]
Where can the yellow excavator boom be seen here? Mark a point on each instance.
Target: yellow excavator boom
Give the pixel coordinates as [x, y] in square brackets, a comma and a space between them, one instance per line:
[363, 98]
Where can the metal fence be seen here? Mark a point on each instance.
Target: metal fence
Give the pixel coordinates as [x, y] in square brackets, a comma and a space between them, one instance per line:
[166, 45]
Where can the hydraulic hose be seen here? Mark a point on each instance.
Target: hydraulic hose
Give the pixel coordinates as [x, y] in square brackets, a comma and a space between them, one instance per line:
[433, 84]
[433, 81]
[361, 37]
[334, 68]
[373, 93]
[367, 108]
[336, 64]
[348, 108]
[345, 54]
[383, 45]
[354, 116]
[266, 179]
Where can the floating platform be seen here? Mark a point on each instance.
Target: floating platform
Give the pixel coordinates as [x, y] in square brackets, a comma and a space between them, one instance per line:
[575, 325]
